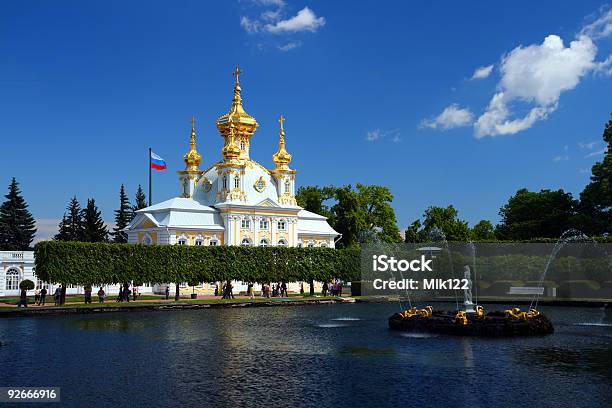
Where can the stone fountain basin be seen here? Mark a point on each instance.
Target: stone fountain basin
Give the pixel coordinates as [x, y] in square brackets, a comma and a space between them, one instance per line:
[493, 324]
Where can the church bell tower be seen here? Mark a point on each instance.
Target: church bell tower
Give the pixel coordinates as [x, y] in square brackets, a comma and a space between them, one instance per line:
[189, 177]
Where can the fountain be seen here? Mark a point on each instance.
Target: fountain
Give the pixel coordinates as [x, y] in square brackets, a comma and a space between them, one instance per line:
[472, 320]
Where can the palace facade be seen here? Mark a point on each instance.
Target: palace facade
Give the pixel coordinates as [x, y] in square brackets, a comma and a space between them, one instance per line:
[235, 201]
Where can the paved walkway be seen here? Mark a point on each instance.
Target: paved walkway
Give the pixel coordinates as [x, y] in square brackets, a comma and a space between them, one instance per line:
[111, 301]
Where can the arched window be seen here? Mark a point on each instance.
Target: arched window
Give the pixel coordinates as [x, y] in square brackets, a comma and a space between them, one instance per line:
[311, 244]
[242, 145]
[263, 224]
[245, 223]
[282, 225]
[225, 182]
[300, 244]
[324, 245]
[147, 240]
[282, 243]
[182, 240]
[263, 242]
[199, 241]
[12, 279]
[245, 242]
[236, 182]
[213, 242]
[287, 186]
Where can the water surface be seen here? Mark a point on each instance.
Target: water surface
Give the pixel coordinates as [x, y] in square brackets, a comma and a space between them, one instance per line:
[323, 355]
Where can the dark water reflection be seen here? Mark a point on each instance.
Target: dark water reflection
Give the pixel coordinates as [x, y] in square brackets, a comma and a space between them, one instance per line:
[340, 355]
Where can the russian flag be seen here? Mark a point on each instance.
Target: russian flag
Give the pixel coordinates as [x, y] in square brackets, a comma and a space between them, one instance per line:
[157, 162]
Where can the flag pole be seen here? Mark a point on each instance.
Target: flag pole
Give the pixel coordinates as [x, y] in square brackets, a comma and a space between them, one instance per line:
[150, 179]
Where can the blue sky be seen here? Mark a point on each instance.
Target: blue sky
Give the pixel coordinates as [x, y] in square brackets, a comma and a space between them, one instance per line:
[458, 102]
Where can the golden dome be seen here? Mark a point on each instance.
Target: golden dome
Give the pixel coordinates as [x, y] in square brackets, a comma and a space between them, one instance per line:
[282, 158]
[192, 157]
[245, 124]
[231, 151]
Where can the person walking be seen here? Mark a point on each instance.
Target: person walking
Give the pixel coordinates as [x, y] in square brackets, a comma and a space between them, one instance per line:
[126, 292]
[23, 298]
[37, 295]
[251, 291]
[57, 296]
[284, 289]
[325, 288]
[135, 293]
[167, 291]
[101, 295]
[87, 295]
[43, 296]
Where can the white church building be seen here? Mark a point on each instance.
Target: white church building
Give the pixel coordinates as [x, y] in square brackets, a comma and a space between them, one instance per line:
[235, 201]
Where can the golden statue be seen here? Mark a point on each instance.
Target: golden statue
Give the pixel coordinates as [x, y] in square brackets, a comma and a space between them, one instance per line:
[461, 318]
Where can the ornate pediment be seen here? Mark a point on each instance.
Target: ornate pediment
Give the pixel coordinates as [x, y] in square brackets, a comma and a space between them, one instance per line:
[268, 203]
[146, 222]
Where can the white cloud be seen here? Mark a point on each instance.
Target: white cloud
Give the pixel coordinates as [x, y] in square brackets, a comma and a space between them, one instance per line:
[304, 20]
[536, 74]
[589, 145]
[605, 67]
[482, 72]
[373, 135]
[271, 15]
[250, 26]
[596, 153]
[379, 134]
[601, 27]
[561, 158]
[451, 117]
[289, 46]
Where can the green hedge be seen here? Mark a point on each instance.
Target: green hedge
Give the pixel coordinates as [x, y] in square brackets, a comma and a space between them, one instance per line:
[80, 263]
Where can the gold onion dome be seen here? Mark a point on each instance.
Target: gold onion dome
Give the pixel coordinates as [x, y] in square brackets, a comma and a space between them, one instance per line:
[281, 158]
[245, 123]
[192, 157]
[231, 151]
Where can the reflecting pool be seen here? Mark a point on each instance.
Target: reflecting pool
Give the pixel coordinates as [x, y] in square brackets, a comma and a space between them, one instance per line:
[338, 354]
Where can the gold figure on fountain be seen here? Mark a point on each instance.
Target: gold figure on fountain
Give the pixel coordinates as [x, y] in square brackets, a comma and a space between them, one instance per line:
[480, 312]
[461, 318]
[516, 314]
[413, 311]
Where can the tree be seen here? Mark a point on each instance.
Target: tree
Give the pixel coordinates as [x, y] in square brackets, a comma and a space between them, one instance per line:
[141, 200]
[543, 214]
[123, 216]
[595, 208]
[446, 219]
[71, 225]
[379, 216]
[313, 198]
[26, 284]
[17, 226]
[483, 231]
[348, 215]
[94, 229]
[413, 234]
[438, 218]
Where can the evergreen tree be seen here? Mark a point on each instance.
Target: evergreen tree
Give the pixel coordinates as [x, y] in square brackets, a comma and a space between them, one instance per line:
[595, 208]
[94, 229]
[17, 226]
[141, 200]
[71, 225]
[123, 216]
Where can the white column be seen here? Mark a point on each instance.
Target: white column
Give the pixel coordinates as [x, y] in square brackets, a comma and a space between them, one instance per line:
[273, 225]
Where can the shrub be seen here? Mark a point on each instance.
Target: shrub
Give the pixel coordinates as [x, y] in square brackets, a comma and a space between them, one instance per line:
[26, 284]
[80, 263]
